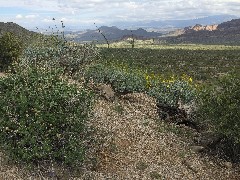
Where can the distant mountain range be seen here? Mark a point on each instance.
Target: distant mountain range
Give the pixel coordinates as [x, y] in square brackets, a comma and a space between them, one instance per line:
[111, 34]
[202, 31]
[176, 24]
[152, 29]
[158, 25]
[224, 33]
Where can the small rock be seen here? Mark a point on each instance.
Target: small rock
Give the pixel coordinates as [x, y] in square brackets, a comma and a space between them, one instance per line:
[141, 166]
[106, 91]
[197, 149]
[191, 165]
[52, 174]
[2, 75]
[227, 165]
[155, 175]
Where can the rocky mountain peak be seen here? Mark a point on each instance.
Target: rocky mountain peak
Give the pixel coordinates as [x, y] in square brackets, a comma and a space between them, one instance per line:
[199, 27]
[224, 33]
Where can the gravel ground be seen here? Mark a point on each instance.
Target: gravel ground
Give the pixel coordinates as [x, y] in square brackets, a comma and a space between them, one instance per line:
[129, 142]
[135, 147]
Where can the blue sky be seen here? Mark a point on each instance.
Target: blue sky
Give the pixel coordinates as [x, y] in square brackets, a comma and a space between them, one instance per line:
[84, 13]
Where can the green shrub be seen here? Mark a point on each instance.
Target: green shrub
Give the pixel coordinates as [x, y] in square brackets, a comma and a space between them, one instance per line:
[125, 79]
[97, 73]
[171, 93]
[10, 49]
[122, 78]
[56, 52]
[219, 106]
[42, 117]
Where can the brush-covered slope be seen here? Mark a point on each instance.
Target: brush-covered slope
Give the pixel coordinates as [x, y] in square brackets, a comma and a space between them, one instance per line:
[224, 33]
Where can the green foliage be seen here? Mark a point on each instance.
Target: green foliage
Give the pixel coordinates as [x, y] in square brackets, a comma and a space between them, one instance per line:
[57, 52]
[173, 92]
[125, 79]
[202, 63]
[220, 106]
[121, 77]
[42, 117]
[10, 49]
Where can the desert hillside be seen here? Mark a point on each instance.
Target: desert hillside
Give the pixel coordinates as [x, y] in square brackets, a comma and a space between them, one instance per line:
[83, 111]
[224, 33]
[14, 28]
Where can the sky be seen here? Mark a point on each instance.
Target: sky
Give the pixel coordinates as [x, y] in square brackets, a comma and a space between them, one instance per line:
[84, 13]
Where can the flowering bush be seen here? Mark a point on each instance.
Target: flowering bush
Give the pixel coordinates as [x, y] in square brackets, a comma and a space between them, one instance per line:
[173, 90]
[124, 79]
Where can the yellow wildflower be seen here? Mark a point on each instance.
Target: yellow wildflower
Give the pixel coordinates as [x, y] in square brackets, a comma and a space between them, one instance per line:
[190, 79]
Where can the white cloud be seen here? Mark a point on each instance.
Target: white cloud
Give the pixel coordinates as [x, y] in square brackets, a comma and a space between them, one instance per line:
[124, 6]
[19, 16]
[107, 11]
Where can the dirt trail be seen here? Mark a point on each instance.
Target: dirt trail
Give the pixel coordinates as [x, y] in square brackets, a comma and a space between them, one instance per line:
[135, 146]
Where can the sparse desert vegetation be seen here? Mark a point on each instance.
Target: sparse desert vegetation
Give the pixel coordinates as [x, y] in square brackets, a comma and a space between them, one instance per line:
[166, 112]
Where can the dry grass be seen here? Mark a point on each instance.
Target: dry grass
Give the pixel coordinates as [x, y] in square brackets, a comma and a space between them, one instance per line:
[129, 142]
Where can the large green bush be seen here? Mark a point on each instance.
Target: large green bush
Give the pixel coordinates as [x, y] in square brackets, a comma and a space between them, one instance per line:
[219, 106]
[10, 49]
[173, 93]
[122, 78]
[56, 52]
[42, 117]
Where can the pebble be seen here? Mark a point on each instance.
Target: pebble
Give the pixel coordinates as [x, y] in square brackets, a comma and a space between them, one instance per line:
[227, 165]
[197, 149]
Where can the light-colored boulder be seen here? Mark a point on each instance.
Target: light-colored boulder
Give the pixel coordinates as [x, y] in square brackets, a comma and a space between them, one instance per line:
[106, 91]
